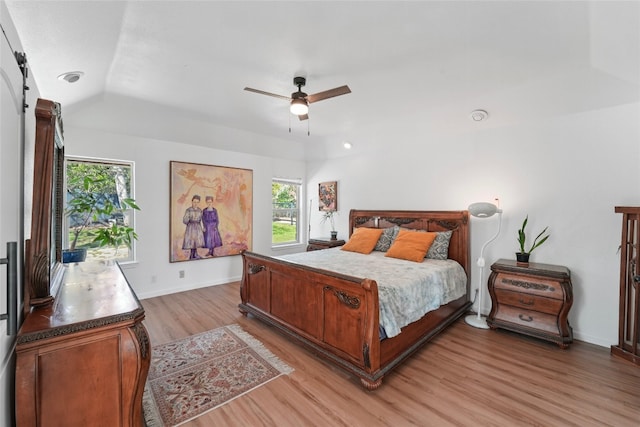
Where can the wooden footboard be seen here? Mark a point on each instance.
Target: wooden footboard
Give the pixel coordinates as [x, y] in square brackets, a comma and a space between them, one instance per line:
[335, 315]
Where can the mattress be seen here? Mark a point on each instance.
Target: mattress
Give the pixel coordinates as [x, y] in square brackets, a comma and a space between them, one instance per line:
[407, 290]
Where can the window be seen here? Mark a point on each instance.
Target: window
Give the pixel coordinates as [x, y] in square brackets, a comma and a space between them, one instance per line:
[285, 211]
[99, 208]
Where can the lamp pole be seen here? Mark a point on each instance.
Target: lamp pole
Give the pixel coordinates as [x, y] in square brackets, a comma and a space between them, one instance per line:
[482, 210]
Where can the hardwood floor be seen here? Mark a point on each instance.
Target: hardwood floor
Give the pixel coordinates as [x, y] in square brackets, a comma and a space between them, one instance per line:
[466, 376]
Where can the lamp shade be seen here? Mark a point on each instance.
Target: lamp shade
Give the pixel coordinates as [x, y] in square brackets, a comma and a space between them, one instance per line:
[483, 209]
[299, 107]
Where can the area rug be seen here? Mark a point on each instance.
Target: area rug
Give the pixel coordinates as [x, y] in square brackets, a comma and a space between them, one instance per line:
[195, 375]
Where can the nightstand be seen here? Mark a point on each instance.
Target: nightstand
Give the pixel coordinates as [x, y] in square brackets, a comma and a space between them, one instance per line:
[532, 299]
[317, 244]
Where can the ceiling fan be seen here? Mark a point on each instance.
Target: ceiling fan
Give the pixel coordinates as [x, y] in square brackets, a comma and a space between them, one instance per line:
[299, 101]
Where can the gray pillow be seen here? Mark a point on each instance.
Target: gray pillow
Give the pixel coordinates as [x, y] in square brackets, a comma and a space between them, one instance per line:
[440, 247]
[386, 238]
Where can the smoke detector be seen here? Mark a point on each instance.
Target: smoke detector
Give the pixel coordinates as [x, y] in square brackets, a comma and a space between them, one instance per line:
[71, 76]
[479, 115]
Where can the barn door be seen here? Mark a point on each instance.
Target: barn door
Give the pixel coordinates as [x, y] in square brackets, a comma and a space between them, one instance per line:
[11, 207]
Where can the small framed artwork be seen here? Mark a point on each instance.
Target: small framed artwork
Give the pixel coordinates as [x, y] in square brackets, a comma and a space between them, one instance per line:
[328, 196]
[211, 211]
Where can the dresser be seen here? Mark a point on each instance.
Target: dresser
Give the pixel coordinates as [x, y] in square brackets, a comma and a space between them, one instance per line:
[83, 360]
[532, 299]
[318, 244]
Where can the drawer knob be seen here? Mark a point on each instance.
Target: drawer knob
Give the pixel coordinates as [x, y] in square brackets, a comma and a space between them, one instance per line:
[529, 302]
[525, 318]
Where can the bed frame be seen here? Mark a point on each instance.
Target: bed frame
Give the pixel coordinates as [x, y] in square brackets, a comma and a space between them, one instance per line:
[337, 316]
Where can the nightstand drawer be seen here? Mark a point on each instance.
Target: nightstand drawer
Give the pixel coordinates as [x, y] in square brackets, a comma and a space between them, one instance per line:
[530, 319]
[529, 302]
[314, 247]
[531, 285]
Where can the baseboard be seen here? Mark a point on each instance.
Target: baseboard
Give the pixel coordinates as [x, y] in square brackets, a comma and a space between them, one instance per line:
[190, 287]
[591, 339]
[577, 335]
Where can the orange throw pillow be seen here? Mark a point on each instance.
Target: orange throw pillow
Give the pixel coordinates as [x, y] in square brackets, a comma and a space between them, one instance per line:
[363, 240]
[411, 245]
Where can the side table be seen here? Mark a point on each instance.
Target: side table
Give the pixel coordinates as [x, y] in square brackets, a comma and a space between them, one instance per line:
[532, 299]
[318, 244]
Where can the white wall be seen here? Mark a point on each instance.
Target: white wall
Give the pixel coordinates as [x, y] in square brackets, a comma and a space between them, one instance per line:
[566, 172]
[153, 274]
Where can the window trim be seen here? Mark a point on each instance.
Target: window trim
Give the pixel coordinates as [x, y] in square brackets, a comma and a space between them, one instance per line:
[299, 234]
[132, 259]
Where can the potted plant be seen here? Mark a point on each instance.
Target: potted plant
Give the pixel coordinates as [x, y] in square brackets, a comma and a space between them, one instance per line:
[328, 216]
[523, 255]
[88, 204]
[117, 234]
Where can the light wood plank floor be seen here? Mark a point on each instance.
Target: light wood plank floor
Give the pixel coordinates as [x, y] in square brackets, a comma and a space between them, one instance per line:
[464, 377]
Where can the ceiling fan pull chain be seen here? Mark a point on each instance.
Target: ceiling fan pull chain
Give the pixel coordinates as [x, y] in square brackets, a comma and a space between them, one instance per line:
[308, 133]
[289, 115]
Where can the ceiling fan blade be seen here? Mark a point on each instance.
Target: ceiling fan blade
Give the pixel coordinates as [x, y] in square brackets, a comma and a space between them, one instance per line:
[303, 117]
[261, 92]
[342, 90]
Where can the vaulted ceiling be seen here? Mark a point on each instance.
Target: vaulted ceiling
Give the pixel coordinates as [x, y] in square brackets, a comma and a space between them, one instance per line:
[429, 63]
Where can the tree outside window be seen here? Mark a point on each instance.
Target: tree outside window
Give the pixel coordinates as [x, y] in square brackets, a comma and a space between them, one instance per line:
[285, 212]
[108, 184]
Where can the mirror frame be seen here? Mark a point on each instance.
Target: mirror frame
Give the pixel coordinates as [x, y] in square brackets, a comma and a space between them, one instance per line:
[44, 249]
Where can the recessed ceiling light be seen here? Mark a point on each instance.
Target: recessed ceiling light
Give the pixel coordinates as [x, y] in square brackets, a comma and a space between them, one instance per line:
[71, 76]
[479, 115]
[347, 145]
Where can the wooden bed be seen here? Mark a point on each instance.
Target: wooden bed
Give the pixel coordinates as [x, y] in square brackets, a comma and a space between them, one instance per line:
[337, 316]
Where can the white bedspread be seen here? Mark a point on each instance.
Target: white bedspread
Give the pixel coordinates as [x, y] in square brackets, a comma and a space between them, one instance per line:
[407, 290]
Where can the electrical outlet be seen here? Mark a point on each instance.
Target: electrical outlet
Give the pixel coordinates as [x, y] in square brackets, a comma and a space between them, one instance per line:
[181, 274]
[154, 279]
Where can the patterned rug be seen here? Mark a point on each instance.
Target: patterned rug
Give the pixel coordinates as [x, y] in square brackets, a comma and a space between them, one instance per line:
[195, 375]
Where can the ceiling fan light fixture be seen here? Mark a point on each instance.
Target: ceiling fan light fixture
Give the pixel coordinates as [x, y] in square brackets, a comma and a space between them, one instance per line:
[299, 101]
[299, 107]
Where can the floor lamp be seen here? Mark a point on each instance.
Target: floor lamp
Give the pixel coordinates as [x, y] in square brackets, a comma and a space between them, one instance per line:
[482, 210]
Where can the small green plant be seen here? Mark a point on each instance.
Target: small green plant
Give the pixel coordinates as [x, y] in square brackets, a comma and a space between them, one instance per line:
[116, 235]
[522, 238]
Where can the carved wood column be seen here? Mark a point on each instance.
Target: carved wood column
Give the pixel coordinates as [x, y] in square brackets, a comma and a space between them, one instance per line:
[629, 310]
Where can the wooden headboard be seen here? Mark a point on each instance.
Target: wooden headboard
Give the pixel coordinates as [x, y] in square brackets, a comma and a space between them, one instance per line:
[456, 221]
